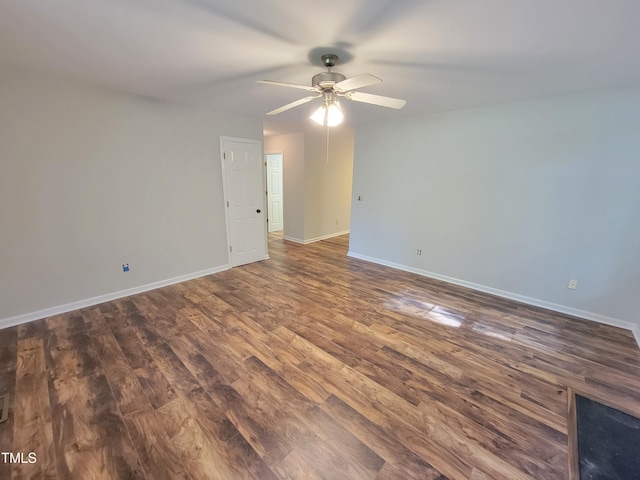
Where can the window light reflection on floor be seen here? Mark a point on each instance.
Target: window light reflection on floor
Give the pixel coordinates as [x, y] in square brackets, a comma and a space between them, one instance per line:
[486, 330]
[423, 310]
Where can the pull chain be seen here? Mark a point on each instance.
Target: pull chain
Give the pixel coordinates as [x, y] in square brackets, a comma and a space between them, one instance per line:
[327, 143]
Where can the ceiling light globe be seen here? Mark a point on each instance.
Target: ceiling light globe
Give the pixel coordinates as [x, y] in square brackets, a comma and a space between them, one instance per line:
[320, 115]
[334, 114]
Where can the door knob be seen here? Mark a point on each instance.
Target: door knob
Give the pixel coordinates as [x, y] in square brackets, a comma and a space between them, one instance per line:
[258, 211]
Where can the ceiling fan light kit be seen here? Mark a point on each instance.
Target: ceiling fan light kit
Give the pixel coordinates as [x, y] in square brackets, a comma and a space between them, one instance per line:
[328, 115]
[331, 85]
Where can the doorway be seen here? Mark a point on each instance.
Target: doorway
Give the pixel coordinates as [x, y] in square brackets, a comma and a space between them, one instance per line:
[273, 163]
[243, 182]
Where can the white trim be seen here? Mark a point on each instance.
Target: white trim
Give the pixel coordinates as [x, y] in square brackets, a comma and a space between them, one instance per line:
[293, 239]
[87, 302]
[316, 239]
[615, 322]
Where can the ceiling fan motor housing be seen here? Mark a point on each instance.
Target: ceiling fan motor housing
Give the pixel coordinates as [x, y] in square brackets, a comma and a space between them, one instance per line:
[327, 79]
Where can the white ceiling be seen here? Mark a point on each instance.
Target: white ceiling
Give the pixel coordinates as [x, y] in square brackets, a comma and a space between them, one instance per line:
[437, 54]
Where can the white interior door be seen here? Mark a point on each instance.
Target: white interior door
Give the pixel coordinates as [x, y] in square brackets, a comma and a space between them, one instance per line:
[244, 200]
[274, 191]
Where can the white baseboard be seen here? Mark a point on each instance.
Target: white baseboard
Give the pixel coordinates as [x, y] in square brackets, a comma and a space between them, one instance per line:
[87, 302]
[316, 239]
[615, 322]
[293, 239]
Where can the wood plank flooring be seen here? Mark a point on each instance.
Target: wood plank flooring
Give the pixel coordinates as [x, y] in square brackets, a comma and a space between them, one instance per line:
[310, 365]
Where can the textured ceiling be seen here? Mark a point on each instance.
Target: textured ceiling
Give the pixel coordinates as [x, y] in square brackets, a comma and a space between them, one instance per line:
[439, 55]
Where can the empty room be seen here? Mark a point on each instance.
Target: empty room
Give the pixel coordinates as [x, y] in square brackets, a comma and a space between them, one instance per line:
[319, 240]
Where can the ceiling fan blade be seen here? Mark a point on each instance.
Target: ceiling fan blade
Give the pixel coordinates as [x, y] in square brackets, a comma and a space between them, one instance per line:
[290, 85]
[375, 99]
[358, 81]
[302, 101]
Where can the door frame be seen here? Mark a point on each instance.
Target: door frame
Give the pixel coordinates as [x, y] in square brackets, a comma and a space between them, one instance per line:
[266, 184]
[225, 199]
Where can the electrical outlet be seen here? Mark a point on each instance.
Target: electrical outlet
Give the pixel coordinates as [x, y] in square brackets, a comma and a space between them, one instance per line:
[359, 198]
[419, 252]
[573, 284]
[125, 267]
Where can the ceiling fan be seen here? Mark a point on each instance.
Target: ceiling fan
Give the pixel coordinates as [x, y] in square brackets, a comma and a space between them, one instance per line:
[329, 86]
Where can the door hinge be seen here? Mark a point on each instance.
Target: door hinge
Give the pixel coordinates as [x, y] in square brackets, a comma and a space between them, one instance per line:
[224, 155]
[227, 203]
[230, 248]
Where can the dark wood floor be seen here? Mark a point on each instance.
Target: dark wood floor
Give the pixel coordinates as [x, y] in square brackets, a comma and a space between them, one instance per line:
[310, 365]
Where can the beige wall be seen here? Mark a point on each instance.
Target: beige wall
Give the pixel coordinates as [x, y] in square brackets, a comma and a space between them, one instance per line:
[328, 182]
[317, 189]
[292, 148]
[91, 179]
